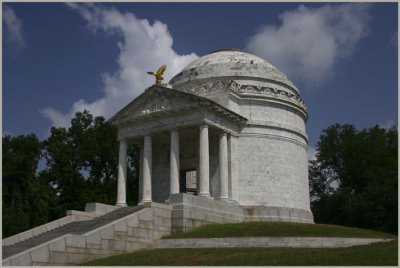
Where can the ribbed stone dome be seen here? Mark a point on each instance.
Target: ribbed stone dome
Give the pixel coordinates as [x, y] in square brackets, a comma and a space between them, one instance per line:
[231, 64]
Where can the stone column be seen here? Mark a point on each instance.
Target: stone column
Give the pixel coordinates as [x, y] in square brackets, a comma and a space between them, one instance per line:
[147, 169]
[204, 165]
[174, 162]
[122, 169]
[141, 174]
[223, 166]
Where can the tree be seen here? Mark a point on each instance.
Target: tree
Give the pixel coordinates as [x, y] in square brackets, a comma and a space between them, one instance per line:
[354, 179]
[82, 163]
[132, 194]
[25, 197]
[62, 172]
[81, 167]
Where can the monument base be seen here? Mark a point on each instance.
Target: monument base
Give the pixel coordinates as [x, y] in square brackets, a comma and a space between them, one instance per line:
[191, 211]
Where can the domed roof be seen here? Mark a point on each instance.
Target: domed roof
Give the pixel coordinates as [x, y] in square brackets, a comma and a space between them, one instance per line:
[230, 64]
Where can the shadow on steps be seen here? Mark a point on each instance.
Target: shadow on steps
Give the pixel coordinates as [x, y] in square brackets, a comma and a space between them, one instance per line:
[79, 227]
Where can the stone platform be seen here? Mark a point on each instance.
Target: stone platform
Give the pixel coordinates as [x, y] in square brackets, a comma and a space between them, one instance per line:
[191, 211]
[104, 230]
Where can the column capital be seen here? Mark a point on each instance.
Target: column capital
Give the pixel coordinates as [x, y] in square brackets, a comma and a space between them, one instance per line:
[122, 139]
[143, 133]
[174, 129]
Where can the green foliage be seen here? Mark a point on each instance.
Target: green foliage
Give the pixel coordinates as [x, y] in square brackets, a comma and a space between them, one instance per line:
[82, 162]
[132, 191]
[23, 192]
[353, 182]
[375, 254]
[81, 167]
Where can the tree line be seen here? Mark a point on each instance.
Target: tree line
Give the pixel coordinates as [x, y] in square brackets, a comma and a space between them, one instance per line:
[72, 167]
[353, 181]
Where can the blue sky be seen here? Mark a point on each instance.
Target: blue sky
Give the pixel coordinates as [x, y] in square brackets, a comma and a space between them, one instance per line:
[59, 58]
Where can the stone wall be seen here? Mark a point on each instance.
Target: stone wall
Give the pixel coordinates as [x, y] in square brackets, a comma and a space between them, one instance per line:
[273, 114]
[269, 165]
[160, 172]
[192, 211]
[272, 172]
[133, 232]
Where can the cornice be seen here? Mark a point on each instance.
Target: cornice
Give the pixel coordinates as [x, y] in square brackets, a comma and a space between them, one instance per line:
[248, 90]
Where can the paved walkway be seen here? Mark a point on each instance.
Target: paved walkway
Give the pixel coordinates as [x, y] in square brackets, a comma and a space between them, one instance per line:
[242, 242]
[79, 227]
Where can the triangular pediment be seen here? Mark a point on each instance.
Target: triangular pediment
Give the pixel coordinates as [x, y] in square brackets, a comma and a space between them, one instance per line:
[157, 99]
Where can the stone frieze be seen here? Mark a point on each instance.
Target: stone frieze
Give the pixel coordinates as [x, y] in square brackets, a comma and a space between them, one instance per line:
[247, 90]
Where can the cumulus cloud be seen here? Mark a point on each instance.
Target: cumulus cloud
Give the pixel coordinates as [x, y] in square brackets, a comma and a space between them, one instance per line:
[312, 153]
[14, 31]
[309, 42]
[388, 124]
[143, 47]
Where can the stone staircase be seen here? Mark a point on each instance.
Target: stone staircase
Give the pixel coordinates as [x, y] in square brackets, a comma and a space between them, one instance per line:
[121, 230]
[80, 227]
[104, 230]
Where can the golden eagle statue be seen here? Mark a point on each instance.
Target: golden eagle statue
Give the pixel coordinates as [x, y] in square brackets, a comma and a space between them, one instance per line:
[159, 74]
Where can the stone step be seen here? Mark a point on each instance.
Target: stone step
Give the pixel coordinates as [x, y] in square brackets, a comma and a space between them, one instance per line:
[72, 258]
[80, 227]
[51, 264]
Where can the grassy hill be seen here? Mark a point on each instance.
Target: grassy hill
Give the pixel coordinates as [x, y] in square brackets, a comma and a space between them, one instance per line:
[278, 229]
[375, 254]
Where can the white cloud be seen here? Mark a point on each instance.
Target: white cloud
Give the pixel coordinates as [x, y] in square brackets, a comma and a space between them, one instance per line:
[311, 41]
[7, 133]
[144, 47]
[312, 153]
[14, 32]
[388, 124]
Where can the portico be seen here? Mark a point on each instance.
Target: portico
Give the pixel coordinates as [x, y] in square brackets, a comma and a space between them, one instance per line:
[184, 133]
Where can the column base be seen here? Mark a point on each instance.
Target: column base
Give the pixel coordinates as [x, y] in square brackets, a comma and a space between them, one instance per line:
[145, 203]
[121, 204]
[227, 199]
[232, 201]
[206, 195]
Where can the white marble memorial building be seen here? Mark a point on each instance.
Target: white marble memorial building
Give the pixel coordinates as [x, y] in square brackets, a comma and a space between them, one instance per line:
[223, 142]
[228, 132]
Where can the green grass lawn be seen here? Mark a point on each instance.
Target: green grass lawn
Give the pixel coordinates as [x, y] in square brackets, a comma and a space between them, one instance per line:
[277, 229]
[372, 255]
[375, 254]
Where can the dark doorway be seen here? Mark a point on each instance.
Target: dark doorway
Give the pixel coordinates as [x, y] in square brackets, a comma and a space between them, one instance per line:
[187, 181]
